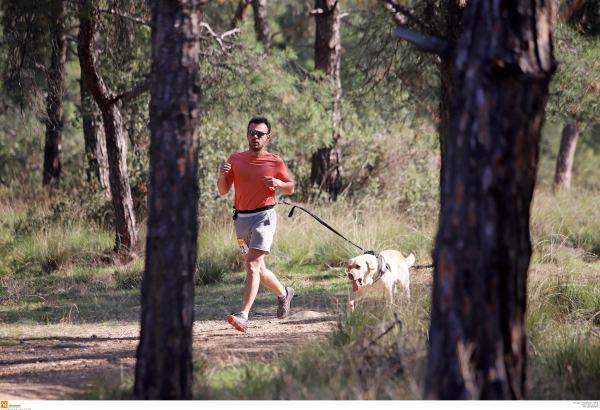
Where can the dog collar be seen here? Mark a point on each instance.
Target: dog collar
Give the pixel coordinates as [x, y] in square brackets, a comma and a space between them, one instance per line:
[383, 267]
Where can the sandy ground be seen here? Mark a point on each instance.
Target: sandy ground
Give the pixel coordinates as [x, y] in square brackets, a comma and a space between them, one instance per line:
[68, 363]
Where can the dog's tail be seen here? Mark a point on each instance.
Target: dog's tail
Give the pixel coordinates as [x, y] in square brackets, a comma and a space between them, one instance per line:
[410, 260]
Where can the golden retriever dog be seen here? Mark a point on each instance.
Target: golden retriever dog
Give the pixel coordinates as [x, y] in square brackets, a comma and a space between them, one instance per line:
[363, 269]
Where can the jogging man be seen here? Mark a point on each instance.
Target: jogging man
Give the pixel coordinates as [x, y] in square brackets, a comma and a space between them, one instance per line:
[256, 175]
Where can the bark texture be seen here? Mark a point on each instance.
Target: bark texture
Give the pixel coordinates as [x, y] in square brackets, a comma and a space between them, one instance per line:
[54, 100]
[116, 143]
[477, 337]
[164, 356]
[564, 162]
[95, 143]
[261, 25]
[570, 8]
[454, 10]
[241, 13]
[326, 170]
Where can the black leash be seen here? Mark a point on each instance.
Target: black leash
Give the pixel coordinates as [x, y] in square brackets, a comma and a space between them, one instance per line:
[383, 267]
[322, 223]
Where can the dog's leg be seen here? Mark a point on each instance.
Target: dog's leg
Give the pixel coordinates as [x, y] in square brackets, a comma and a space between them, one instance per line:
[356, 296]
[389, 296]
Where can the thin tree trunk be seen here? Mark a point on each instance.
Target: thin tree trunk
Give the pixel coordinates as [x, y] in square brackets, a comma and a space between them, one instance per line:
[261, 25]
[569, 8]
[326, 168]
[241, 12]
[477, 337]
[564, 162]
[164, 356]
[116, 143]
[95, 143]
[54, 100]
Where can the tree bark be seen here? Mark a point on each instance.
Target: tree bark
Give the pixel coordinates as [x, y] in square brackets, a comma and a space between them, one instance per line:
[261, 25]
[241, 12]
[326, 168]
[164, 356]
[116, 143]
[477, 337]
[95, 144]
[54, 100]
[569, 8]
[453, 21]
[564, 162]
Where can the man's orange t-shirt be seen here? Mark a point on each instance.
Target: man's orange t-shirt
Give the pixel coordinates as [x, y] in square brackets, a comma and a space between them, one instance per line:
[248, 172]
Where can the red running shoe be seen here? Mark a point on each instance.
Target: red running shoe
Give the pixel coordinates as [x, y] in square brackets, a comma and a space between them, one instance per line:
[237, 320]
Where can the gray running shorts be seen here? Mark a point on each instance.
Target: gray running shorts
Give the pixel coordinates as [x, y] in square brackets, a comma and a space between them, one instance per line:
[255, 230]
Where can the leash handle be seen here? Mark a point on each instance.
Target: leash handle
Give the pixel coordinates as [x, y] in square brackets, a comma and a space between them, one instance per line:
[320, 221]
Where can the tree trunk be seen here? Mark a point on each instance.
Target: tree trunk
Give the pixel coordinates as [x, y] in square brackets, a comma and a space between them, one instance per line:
[564, 163]
[95, 144]
[453, 20]
[477, 337]
[569, 8]
[54, 100]
[327, 168]
[164, 356]
[261, 25]
[241, 12]
[116, 143]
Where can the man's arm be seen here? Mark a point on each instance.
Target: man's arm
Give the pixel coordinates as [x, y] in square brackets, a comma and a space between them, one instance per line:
[286, 186]
[224, 183]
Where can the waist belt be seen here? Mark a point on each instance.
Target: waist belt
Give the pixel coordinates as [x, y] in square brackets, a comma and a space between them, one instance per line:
[250, 211]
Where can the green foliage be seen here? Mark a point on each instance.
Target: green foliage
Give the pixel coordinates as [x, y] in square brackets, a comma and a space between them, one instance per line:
[298, 105]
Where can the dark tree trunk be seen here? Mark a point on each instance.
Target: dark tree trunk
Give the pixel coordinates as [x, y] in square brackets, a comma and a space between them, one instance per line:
[261, 25]
[477, 337]
[453, 31]
[95, 144]
[564, 162]
[164, 356]
[116, 143]
[241, 12]
[327, 161]
[54, 100]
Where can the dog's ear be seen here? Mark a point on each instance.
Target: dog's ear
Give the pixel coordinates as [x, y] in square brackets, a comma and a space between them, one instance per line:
[369, 262]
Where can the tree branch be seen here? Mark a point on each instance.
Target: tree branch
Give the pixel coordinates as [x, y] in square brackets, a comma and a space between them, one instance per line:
[125, 16]
[428, 44]
[220, 38]
[404, 11]
[130, 95]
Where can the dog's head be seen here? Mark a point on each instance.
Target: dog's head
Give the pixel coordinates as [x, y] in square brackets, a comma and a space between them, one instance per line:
[361, 270]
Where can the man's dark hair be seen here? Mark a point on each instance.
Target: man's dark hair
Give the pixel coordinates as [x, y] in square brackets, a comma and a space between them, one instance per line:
[259, 119]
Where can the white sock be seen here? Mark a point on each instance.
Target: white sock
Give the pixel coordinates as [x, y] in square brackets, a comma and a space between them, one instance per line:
[284, 294]
[244, 315]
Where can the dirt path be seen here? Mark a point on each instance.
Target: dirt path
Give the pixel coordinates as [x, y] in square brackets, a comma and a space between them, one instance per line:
[73, 358]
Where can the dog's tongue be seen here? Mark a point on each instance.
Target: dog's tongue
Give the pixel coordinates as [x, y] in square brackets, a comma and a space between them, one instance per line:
[355, 286]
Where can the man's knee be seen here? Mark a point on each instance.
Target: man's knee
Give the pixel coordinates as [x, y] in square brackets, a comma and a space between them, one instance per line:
[255, 261]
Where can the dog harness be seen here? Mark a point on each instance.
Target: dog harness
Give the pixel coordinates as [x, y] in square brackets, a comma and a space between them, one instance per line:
[381, 264]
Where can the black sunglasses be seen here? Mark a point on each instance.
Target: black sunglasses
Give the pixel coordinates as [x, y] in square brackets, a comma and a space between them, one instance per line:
[257, 133]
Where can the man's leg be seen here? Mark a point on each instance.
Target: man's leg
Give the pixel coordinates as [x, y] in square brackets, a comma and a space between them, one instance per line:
[257, 273]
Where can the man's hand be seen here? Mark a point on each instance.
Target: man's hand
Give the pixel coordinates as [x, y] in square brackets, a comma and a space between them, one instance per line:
[286, 186]
[224, 184]
[225, 168]
[271, 182]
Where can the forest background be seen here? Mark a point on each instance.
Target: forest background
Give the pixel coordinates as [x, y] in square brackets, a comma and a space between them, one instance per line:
[389, 110]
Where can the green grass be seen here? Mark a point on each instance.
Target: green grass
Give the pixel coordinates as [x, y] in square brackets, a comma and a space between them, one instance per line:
[57, 273]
